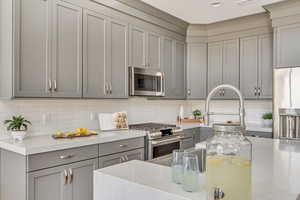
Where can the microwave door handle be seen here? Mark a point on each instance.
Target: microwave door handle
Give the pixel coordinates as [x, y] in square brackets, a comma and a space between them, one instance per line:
[162, 84]
[132, 81]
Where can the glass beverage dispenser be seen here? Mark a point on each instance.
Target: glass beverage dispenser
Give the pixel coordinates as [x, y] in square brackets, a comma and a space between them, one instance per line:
[229, 155]
[228, 164]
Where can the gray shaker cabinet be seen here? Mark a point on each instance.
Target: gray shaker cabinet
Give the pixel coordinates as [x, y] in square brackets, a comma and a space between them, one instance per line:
[215, 59]
[48, 184]
[173, 65]
[231, 67]
[67, 182]
[249, 66]
[67, 50]
[167, 65]
[197, 71]
[145, 48]
[287, 46]
[117, 72]
[32, 48]
[223, 66]
[256, 66]
[94, 55]
[179, 70]
[105, 57]
[265, 66]
[153, 50]
[138, 47]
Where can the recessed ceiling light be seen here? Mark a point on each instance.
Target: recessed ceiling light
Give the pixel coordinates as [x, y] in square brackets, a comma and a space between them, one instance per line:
[216, 4]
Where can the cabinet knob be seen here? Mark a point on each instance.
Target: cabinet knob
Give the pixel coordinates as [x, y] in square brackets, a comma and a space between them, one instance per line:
[255, 91]
[189, 92]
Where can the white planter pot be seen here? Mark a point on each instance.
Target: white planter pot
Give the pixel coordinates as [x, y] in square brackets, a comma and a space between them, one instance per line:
[18, 135]
[268, 123]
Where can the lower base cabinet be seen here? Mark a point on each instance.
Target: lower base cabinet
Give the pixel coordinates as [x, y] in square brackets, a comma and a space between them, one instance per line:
[67, 182]
[64, 174]
[106, 161]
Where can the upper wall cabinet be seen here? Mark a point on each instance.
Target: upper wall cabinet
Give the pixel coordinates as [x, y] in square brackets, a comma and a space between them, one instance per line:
[196, 70]
[256, 66]
[287, 45]
[173, 54]
[32, 48]
[145, 48]
[67, 50]
[223, 66]
[105, 57]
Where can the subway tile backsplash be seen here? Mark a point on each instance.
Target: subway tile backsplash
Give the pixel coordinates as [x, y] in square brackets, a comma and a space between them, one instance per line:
[48, 116]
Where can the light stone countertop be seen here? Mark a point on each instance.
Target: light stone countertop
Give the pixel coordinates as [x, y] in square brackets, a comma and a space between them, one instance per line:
[275, 176]
[249, 127]
[45, 143]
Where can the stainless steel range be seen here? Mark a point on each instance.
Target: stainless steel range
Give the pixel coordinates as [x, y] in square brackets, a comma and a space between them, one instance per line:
[162, 139]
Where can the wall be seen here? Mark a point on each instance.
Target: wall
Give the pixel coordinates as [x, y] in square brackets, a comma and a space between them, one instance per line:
[49, 116]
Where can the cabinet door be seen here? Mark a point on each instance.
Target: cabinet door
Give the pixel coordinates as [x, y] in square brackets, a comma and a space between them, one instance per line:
[48, 184]
[118, 59]
[231, 67]
[287, 45]
[167, 66]
[67, 54]
[94, 55]
[248, 66]
[266, 66]
[153, 50]
[118, 158]
[32, 48]
[138, 47]
[187, 143]
[215, 59]
[138, 154]
[82, 181]
[197, 71]
[179, 70]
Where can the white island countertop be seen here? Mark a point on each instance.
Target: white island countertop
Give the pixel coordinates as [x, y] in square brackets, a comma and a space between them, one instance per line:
[275, 176]
[45, 143]
[249, 127]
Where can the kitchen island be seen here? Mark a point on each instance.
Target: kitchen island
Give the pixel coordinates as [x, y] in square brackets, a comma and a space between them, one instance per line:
[275, 176]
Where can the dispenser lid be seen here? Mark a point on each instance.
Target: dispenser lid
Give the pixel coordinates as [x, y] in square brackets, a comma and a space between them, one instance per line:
[233, 128]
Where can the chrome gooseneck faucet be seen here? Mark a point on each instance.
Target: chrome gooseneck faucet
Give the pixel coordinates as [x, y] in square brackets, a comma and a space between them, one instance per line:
[241, 113]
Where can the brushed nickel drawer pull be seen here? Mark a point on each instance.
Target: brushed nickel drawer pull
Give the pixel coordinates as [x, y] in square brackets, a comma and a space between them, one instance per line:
[50, 85]
[66, 157]
[71, 176]
[123, 145]
[66, 177]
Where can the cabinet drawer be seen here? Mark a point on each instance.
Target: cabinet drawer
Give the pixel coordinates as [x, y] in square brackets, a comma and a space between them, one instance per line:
[121, 146]
[62, 157]
[110, 160]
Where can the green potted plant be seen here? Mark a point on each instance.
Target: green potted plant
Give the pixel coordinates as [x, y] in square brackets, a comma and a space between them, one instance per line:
[18, 126]
[267, 119]
[197, 114]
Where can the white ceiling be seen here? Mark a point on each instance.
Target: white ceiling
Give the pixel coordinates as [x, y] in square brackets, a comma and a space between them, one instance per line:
[201, 12]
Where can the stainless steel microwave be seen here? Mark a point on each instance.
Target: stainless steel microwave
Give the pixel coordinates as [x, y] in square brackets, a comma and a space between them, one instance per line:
[146, 82]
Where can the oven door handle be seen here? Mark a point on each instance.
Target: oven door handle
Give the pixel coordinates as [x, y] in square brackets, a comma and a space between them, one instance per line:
[167, 141]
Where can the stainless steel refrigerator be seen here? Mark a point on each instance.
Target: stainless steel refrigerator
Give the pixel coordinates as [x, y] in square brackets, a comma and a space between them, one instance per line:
[286, 106]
